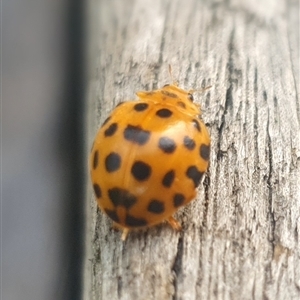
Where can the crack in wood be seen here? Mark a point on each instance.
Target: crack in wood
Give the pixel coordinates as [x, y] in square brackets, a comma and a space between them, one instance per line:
[269, 185]
[177, 266]
[119, 286]
[230, 68]
[206, 184]
[271, 235]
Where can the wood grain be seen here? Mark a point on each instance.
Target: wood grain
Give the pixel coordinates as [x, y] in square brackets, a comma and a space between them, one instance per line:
[240, 238]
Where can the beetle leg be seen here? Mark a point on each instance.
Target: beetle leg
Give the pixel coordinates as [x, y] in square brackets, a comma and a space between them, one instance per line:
[174, 223]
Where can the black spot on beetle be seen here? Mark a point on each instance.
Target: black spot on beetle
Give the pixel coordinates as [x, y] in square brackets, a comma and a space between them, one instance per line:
[168, 179]
[97, 190]
[112, 214]
[135, 222]
[167, 145]
[140, 170]
[193, 173]
[112, 162]
[156, 206]
[196, 125]
[110, 131]
[136, 135]
[191, 97]
[204, 151]
[121, 197]
[189, 143]
[140, 106]
[178, 200]
[164, 113]
[95, 159]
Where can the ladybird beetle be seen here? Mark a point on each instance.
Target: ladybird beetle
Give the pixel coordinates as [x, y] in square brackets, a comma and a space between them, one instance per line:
[149, 157]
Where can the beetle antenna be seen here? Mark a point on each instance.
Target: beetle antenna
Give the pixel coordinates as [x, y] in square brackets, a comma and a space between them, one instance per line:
[200, 90]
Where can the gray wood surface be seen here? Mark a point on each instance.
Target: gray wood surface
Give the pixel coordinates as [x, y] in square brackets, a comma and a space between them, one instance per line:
[240, 237]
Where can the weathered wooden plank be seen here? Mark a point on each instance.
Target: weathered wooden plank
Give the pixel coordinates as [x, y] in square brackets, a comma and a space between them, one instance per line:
[240, 238]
